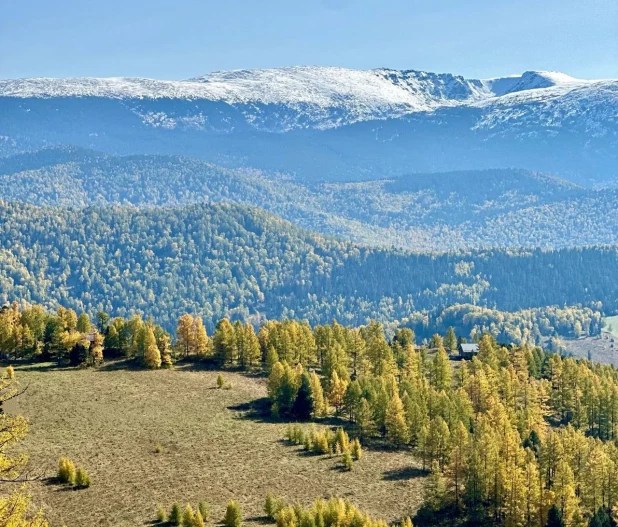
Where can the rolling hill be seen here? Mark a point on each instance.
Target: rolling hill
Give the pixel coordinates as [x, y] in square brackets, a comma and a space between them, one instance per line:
[442, 211]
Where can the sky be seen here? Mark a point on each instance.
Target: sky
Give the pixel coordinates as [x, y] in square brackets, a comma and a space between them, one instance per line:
[177, 39]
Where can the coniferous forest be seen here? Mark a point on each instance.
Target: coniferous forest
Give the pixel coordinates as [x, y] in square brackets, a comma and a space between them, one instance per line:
[223, 260]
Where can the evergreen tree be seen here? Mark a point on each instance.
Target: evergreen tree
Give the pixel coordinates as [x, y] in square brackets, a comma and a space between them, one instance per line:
[83, 324]
[351, 399]
[204, 510]
[199, 338]
[175, 516]
[102, 319]
[161, 514]
[66, 471]
[456, 469]
[188, 516]
[198, 521]
[251, 350]
[303, 406]
[364, 421]
[224, 343]
[435, 489]
[233, 515]
[317, 395]
[441, 372]
[554, 517]
[82, 479]
[337, 391]
[346, 460]
[450, 340]
[185, 335]
[356, 450]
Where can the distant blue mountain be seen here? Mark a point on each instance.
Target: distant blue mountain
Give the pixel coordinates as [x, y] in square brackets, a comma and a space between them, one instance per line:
[328, 124]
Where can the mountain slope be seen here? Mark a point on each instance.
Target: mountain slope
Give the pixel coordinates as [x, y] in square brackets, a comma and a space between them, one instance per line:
[440, 211]
[317, 97]
[222, 259]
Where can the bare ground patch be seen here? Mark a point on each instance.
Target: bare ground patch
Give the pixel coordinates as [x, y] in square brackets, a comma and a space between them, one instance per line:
[602, 349]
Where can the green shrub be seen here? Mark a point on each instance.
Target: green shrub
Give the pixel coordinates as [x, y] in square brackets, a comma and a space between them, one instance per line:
[198, 521]
[357, 451]
[66, 471]
[272, 506]
[82, 479]
[346, 460]
[220, 381]
[175, 517]
[188, 516]
[204, 510]
[233, 515]
[161, 515]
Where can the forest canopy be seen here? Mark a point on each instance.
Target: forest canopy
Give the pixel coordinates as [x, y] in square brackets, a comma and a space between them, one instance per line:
[224, 260]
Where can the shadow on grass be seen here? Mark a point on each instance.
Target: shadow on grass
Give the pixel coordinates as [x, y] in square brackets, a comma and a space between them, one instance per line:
[405, 473]
[130, 364]
[257, 410]
[52, 481]
[34, 366]
[259, 519]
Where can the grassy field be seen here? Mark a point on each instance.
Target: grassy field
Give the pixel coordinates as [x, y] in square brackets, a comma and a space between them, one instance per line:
[213, 448]
[613, 322]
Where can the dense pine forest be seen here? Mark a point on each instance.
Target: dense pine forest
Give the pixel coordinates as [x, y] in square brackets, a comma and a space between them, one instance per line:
[224, 260]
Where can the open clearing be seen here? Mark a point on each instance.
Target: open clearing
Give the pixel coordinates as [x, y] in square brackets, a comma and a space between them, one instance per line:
[111, 421]
[600, 349]
[611, 323]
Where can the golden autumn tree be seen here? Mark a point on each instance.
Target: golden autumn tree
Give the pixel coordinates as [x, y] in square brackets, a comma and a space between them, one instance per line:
[152, 355]
[395, 422]
[15, 508]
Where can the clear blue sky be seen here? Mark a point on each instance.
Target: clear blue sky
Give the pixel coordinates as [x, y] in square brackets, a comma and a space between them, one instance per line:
[177, 39]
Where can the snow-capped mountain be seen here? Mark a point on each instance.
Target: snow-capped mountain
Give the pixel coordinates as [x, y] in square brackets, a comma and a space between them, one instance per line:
[324, 120]
[318, 97]
[531, 80]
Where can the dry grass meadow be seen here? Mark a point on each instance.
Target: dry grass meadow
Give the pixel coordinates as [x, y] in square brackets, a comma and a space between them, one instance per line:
[213, 447]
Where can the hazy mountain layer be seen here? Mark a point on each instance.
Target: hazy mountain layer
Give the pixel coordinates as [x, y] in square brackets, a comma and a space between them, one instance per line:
[456, 210]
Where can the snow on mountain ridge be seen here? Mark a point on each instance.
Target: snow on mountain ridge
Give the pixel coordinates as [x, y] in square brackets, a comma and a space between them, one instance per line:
[276, 99]
[319, 97]
[330, 86]
[530, 80]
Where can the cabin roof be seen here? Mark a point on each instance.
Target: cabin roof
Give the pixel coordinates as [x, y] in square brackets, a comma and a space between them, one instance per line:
[469, 348]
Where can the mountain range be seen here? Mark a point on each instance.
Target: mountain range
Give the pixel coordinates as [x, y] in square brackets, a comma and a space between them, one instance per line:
[509, 208]
[330, 124]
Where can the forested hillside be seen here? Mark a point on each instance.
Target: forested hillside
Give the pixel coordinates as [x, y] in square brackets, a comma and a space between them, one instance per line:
[515, 436]
[441, 211]
[220, 260]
